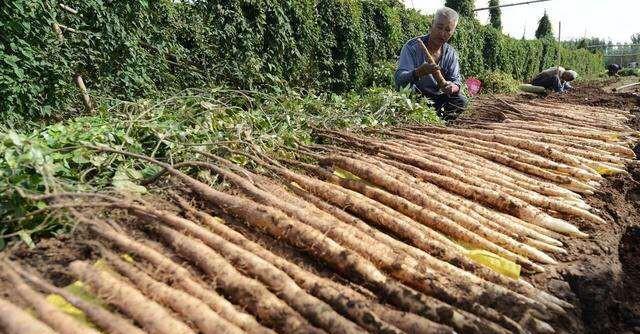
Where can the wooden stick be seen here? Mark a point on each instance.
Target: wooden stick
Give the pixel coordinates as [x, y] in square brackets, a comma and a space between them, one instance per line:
[626, 86]
[86, 100]
[68, 9]
[58, 32]
[65, 28]
[437, 74]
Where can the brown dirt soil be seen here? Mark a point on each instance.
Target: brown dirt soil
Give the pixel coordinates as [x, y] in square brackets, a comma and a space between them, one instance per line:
[593, 94]
[51, 258]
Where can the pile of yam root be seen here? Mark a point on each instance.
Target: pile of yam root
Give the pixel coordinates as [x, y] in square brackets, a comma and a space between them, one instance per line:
[389, 215]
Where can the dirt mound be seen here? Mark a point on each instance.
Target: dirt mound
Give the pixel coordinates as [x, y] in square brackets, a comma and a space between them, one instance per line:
[592, 94]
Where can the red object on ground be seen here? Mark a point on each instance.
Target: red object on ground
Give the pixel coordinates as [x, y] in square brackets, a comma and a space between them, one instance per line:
[473, 86]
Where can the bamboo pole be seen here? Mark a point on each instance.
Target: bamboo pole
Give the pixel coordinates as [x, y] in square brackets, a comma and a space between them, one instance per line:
[65, 28]
[86, 99]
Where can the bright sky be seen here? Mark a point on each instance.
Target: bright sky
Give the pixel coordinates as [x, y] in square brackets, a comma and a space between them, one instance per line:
[614, 20]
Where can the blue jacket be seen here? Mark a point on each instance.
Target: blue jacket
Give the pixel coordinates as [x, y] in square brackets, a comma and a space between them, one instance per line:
[412, 57]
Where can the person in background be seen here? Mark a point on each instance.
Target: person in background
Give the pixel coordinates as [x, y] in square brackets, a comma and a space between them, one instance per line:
[413, 70]
[613, 69]
[555, 78]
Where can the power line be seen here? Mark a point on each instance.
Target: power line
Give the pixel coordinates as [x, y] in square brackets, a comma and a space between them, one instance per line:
[509, 5]
[607, 45]
[623, 55]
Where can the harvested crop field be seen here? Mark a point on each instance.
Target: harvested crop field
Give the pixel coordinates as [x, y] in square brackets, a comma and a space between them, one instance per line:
[393, 230]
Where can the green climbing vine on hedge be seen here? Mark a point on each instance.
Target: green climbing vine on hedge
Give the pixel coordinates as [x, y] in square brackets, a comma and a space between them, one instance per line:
[132, 49]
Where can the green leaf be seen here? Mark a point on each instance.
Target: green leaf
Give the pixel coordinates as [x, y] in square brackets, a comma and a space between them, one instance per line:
[129, 187]
[134, 173]
[122, 182]
[15, 138]
[98, 159]
[80, 156]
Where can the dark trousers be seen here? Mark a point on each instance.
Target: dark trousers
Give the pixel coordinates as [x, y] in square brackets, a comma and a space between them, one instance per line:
[449, 107]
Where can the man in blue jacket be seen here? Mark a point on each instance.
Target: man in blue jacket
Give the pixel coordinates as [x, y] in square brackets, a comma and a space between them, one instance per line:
[413, 70]
[555, 78]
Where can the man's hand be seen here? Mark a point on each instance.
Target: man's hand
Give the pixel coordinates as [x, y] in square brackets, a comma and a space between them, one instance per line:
[450, 88]
[425, 69]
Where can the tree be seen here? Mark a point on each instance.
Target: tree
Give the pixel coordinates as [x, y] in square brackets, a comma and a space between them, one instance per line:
[463, 7]
[494, 14]
[635, 38]
[544, 27]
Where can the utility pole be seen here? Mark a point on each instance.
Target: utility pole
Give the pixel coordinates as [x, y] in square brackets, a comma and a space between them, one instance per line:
[559, 46]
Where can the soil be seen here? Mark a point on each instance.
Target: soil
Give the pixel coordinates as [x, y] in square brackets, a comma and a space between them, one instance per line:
[600, 275]
[51, 257]
[594, 95]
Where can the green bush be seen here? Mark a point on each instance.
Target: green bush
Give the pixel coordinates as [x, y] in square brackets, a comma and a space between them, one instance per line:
[133, 49]
[463, 7]
[544, 29]
[496, 82]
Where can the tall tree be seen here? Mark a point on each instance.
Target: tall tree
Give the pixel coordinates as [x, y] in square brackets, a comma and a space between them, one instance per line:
[544, 27]
[635, 38]
[494, 14]
[463, 7]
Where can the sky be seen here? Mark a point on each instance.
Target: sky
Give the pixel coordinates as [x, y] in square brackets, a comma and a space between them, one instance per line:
[607, 19]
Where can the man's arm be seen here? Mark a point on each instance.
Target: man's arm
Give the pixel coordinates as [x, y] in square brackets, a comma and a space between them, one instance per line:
[405, 72]
[456, 77]
[451, 73]
[567, 86]
[558, 85]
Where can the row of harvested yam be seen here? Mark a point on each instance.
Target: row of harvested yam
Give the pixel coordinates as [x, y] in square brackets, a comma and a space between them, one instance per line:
[599, 134]
[162, 296]
[406, 276]
[548, 176]
[425, 264]
[611, 123]
[467, 202]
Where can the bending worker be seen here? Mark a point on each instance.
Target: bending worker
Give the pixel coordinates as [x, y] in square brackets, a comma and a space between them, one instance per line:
[613, 69]
[556, 78]
[415, 71]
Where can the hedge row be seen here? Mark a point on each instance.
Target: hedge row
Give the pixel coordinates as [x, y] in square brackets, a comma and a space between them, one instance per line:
[483, 48]
[129, 49]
